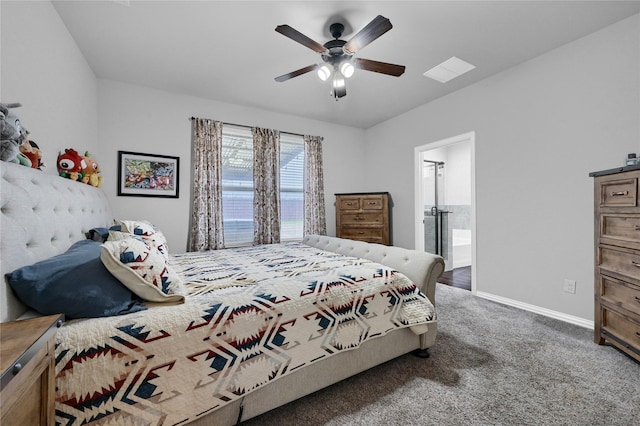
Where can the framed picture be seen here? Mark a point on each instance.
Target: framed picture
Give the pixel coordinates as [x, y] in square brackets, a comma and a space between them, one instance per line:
[147, 175]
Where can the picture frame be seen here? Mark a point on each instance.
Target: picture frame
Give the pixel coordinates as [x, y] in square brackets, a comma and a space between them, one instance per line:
[148, 175]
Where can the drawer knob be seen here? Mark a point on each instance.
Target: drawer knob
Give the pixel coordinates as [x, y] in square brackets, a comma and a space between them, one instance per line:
[619, 193]
[16, 368]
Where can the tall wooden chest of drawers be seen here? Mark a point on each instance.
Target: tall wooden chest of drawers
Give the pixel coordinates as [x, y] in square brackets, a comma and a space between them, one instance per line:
[363, 217]
[617, 259]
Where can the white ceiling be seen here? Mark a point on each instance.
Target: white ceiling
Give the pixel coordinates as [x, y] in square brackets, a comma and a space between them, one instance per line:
[229, 51]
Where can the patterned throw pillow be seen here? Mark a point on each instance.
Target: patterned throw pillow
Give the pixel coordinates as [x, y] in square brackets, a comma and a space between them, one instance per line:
[142, 269]
[118, 236]
[148, 231]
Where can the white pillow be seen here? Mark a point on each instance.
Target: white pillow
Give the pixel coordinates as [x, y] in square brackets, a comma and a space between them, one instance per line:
[148, 231]
[142, 269]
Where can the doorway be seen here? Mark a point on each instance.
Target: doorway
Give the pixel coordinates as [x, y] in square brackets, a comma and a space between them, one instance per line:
[445, 205]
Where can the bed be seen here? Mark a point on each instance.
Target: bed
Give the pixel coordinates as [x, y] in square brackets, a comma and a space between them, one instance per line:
[338, 325]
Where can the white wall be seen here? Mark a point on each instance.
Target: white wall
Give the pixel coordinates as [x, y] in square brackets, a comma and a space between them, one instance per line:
[43, 69]
[541, 127]
[139, 119]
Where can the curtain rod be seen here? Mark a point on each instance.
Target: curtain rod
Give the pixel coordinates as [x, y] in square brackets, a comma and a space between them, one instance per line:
[250, 127]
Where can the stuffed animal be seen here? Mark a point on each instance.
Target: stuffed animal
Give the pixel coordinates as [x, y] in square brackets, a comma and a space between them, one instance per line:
[70, 164]
[91, 171]
[12, 135]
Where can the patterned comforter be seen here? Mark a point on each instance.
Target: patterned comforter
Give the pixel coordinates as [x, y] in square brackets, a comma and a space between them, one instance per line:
[253, 315]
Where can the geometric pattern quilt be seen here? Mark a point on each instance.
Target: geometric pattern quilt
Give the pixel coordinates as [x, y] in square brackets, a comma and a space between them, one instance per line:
[251, 316]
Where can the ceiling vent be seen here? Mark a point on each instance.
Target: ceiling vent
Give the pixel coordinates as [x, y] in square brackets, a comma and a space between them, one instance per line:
[449, 69]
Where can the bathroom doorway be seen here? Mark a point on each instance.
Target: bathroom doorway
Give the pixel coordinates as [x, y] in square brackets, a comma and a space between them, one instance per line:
[445, 205]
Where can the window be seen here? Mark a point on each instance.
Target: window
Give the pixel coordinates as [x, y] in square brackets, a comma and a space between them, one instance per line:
[291, 187]
[237, 186]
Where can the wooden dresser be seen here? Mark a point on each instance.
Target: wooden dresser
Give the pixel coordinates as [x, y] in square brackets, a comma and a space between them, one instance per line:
[363, 217]
[28, 374]
[617, 259]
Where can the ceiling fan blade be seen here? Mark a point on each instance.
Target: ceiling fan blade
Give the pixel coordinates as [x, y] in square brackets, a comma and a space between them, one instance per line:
[296, 73]
[296, 35]
[381, 67]
[372, 31]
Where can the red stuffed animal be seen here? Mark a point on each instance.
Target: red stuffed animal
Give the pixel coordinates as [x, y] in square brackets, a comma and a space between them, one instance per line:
[70, 165]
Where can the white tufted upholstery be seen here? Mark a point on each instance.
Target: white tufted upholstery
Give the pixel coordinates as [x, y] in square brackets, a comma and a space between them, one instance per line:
[422, 268]
[41, 215]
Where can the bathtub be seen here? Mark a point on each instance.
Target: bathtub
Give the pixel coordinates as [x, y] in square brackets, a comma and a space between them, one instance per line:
[461, 252]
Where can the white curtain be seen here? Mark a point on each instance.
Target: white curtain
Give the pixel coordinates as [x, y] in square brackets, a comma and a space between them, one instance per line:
[266, 181]
[207, 232]
[314, 210]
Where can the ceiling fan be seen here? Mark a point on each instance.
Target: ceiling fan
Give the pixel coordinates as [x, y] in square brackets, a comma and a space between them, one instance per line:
[338, 55]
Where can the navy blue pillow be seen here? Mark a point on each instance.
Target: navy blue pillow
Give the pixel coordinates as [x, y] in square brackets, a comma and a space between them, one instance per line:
[98, 234]
[101, 234]
[75, 283]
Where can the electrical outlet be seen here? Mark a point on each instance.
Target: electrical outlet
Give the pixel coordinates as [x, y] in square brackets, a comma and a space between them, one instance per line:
[569, 286]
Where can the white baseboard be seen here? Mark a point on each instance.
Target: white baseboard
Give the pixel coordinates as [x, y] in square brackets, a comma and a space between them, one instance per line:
[538, 310]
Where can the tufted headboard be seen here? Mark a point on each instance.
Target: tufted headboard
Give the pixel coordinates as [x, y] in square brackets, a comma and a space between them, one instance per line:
[41, 215]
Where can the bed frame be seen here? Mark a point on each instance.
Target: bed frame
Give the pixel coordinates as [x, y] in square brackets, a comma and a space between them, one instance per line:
[42, 214]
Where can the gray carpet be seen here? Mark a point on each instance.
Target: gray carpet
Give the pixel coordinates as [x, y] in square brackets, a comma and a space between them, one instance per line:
[491, 365]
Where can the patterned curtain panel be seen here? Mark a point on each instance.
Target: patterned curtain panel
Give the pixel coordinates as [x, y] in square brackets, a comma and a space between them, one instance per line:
[206, 216]
[266, 182]
[314, 212]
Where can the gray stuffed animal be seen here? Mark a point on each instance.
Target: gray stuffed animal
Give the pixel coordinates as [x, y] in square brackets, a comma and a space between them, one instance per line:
[12, 135]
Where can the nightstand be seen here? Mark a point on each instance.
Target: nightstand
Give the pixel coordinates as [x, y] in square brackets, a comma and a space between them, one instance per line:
[27, 393]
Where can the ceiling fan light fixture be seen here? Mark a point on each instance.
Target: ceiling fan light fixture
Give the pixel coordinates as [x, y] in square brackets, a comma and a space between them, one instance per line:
[338, 55]
[324, 72]
[347, 69]
[339, 86]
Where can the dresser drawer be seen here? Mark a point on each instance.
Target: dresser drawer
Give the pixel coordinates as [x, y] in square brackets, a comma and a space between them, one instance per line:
[372, 203]
[360, 233]
[619, 293]
[620, 229]
[624, 328]
[349, 203]
[625, 263]
[619, 193]
[359, 218]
